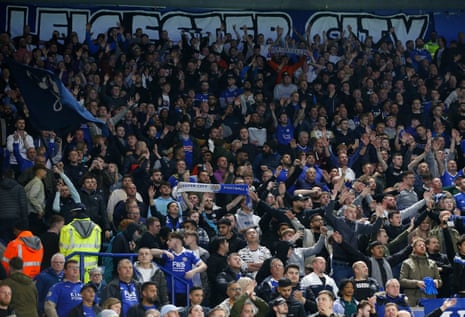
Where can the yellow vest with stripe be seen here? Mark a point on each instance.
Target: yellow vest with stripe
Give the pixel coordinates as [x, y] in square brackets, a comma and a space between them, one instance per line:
[81, 235]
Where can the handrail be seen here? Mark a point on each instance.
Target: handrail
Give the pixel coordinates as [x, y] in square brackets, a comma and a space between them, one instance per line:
[131, 256]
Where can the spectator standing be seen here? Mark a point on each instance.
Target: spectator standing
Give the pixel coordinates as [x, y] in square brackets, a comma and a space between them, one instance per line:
[50, 240]
[318, 280]
[64, 296]
[24, 141]
[458, 285]
[26, 245]
[24, 292]
[413, 272]
[49, 277]
[35, 193]
[145, 270]
[14, 207]
[253, 254]
[81, 235]
[182, 263]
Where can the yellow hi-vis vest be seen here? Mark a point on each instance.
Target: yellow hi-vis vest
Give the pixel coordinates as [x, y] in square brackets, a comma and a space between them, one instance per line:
[81, 235]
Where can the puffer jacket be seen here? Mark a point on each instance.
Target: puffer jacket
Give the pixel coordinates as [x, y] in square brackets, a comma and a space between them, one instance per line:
[14, 202]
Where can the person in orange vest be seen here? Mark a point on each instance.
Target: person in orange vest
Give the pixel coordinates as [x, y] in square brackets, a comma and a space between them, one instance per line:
[26, 246]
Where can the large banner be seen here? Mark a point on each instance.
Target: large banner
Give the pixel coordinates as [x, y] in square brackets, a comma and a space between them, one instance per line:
[43, 20]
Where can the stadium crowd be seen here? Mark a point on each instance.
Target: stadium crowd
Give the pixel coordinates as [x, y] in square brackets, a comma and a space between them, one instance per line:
[352, 154]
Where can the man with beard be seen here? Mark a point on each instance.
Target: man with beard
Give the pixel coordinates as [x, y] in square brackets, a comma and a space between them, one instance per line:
[5, 300]
[414, 270]
[305, 296]
[284, 289]
[212, 213]
[149, 300]
[433, 248]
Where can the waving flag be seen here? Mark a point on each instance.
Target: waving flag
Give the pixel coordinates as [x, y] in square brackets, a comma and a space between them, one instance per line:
[51, 105]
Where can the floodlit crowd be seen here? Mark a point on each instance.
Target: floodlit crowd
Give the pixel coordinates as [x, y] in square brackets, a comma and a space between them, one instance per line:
[351, 153]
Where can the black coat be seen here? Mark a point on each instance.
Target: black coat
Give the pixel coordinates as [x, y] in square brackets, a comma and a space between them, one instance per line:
[79, 312]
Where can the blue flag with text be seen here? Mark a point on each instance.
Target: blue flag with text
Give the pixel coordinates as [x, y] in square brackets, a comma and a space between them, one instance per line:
[51, 105]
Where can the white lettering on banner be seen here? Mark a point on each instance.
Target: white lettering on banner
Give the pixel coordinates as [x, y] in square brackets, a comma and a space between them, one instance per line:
[66, 20]
[406, 27]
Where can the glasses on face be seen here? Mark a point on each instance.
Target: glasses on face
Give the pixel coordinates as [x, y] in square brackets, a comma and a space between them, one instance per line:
[236, 289]
[58, 262]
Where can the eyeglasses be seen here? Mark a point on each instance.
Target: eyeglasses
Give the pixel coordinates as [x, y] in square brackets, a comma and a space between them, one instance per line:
[237, 289]
[58, 262]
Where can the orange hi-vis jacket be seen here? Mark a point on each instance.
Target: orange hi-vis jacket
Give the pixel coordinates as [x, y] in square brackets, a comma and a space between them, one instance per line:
[27, 247]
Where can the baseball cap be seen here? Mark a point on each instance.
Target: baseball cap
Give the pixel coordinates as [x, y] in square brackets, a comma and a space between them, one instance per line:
[224, 221]
[86, 286]
[108, 313]
[374, 244]
[299, 197]
[284, 282]
[278, 301]
[167, 309]
[77, 207]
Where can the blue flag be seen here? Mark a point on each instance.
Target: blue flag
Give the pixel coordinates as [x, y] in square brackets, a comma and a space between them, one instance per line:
[51, 105]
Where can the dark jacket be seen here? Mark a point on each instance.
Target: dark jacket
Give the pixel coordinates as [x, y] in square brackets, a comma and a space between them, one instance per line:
[14, 202]
[44, 281]
[113, 289]
[79, 312]
[216, 264]
[156, 276]
[95, 208]
[349, 230]
[120, 243]
[383, 299]
[459, 274]
[138, 310]
[295, 308]
[221, 285]
[24, 294]
[236, 243]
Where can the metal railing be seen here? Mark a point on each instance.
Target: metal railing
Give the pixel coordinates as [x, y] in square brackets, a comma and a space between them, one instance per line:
[131, 256]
